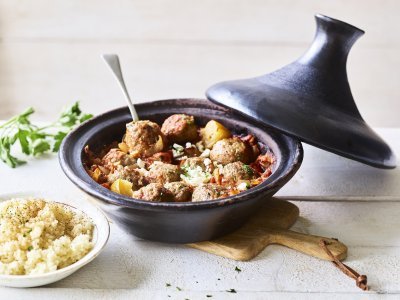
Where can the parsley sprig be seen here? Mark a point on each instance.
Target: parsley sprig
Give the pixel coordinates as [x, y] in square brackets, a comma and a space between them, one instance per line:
[36, 140]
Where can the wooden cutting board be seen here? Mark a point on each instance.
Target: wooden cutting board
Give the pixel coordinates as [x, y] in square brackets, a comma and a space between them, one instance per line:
[270, 226]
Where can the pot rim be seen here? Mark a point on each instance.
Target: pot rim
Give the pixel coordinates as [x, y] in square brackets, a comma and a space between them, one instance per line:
[99, 192]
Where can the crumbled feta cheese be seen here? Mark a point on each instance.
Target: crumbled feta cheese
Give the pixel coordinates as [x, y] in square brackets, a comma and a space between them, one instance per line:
[243, 186]
[207, 161]
[188, 145]
[206, 153]
[177, 150]
[200, 146]
[178, 147]
[181, 158]
[196, 176]
[141, 164]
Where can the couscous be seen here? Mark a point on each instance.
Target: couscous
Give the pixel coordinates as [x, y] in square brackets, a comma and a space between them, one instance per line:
[38, 237]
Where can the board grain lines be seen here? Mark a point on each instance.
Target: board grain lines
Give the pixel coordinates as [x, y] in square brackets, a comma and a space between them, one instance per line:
[271, 226]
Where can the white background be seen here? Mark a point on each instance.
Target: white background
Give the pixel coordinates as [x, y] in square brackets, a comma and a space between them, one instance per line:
[49, 49]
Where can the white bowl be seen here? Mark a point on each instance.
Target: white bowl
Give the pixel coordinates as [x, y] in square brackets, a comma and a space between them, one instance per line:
[101, 233]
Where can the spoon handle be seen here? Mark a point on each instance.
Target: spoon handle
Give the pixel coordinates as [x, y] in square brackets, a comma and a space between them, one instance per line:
[112, 61]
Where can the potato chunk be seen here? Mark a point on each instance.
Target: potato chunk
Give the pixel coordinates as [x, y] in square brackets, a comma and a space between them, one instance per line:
[214, 132]
[123, 187]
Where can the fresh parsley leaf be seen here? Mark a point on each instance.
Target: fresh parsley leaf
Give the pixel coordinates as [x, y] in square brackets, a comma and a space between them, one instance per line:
[238, 270]
[40, 147]
[85, 117]
[233, 291]
[34, 140]
[23, 140]
[58, 138]
[167, 284]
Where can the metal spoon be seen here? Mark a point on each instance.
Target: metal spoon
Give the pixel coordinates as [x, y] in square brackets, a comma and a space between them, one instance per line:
[112, 61]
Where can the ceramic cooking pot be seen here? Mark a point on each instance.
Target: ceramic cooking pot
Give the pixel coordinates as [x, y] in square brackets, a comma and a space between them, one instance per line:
[183, 222]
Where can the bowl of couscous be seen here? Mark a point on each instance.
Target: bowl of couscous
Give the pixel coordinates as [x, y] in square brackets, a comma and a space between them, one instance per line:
[42, 241]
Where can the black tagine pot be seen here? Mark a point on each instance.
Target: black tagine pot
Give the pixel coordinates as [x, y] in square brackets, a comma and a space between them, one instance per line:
[183, 222]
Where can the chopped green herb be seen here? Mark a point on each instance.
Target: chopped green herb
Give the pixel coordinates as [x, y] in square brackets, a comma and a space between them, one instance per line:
[36, 140]
[178, 288]
[30, 248]
[233, 291]
[167, 284]
[208, 296]
[248, 170]
[237, 269]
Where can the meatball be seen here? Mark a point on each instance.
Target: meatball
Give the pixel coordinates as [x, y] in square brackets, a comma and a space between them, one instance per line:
[143, 138]
[180, 128]
[181, 191]
[153, 192]
[130, 173]
[209, 192]
[238, 171]
[230, 150]
[117, 157]
[163, 173]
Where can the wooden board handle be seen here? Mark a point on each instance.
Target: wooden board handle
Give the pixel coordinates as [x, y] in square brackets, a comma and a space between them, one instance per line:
[308, 244]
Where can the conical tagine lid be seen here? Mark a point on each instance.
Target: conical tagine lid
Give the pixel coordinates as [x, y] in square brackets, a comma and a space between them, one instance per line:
[311, 98]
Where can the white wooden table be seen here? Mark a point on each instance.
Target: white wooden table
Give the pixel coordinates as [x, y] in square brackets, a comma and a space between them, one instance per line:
[337, 197]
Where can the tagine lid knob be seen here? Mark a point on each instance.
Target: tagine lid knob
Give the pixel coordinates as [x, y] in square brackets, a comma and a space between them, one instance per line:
[311, 98]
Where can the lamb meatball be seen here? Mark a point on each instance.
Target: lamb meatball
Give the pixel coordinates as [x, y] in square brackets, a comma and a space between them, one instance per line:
[117, 157]
[230, 150]
[238, 171]
[209, 192]
[153, 192]
[143, 138]
[181, 191]
[180, 128]
[162, 173]
[130, 173]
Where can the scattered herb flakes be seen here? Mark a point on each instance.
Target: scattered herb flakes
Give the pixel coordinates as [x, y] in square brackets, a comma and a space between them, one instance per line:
[237, 269]
[30, 248]
[167, 284]
[178, 288]
[208, 296]
[218, 278]
[233, 291]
